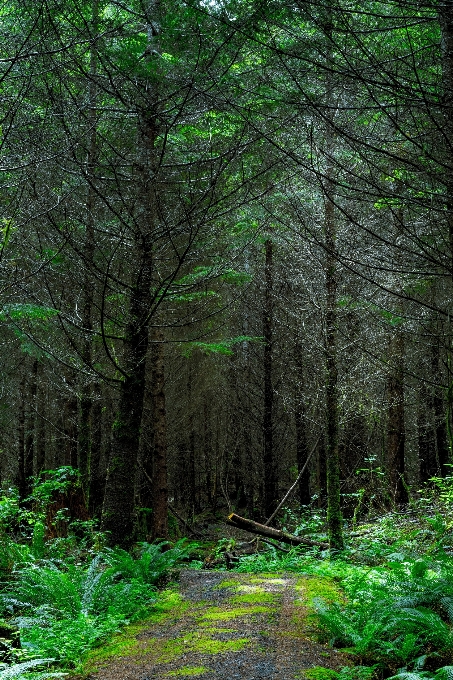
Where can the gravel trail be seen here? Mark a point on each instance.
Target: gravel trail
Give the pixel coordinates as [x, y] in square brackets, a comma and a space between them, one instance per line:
[229, 626]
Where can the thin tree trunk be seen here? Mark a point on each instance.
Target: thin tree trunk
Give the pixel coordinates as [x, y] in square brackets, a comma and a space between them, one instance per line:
[41, 438]
[301, 433]
[70, 413]
[86, 399]
[270, 468]
[159, 478]
[334, 515]
[445, 12]
[191, 490]
[396, 436]
[30, 425]
[21, 439]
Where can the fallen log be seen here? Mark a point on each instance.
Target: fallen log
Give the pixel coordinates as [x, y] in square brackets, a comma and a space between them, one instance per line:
[262, 530]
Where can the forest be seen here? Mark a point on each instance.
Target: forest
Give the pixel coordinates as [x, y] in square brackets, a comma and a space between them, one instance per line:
[226, 266]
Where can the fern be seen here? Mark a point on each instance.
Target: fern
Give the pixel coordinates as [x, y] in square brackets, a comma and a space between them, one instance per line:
[63, 612]
[17, 670]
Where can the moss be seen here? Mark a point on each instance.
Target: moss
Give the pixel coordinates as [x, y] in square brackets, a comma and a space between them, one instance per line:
[318, 586]
[199, 643]
[213, 630]
[319, 673]
[124, 644]
[187, 671]
[253, 598]
[267, 578]
[220, 614]
[226, 584]
[309, 588]
[261, 579]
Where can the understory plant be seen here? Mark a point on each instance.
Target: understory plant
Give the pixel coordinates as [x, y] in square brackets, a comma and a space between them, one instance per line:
[399, 616]
[63, 610]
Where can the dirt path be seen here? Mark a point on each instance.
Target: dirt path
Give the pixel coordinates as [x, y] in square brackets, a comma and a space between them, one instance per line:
[223, 626]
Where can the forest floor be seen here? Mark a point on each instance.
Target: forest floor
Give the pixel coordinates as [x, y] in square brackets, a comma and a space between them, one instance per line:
[225, 626]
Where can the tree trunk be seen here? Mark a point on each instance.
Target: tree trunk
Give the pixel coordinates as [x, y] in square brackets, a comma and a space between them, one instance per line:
[270, 468]
[86, 399]
[334, 515]
[445, 12]
[41, 438]
[395, 420]
[301, 433]
[118, 508]
[21, 479]
[269, 532]
[70, 421]
[30, 426]
[159, 478]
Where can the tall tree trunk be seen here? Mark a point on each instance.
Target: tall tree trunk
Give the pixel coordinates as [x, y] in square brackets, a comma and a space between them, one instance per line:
[396, 436]
[67, 455]
[21, 478]
[440, 412]
[41, 438]
[301, 432]
[118, 508]
[160, 483]
[270, 468]
[190, 463]
[334, 516]
[30, 425]
[445, 12]
[86, 399]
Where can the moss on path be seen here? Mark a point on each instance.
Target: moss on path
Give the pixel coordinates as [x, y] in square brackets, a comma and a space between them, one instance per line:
[221, 626]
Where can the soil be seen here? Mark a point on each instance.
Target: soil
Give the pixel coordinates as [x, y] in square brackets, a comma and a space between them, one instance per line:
[225, 626]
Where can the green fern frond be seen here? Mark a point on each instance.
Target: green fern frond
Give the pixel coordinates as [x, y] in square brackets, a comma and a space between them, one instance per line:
[412, 675]
[17, 670]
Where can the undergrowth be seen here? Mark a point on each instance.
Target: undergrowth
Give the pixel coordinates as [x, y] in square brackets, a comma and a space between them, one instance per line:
[62, 592]
[394, 614]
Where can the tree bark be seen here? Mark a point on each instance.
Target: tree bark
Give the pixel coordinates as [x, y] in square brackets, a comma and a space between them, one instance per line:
[270, 468]
[269, 532]
[396, 436]
[334, 515]
[301, 433]
[118, 508]
[21, 479]
[159, 478]
[41, 438]
[30, 426]
[86, 399]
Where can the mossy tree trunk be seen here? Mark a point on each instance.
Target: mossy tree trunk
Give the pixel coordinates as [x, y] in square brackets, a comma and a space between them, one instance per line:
[270, 468]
